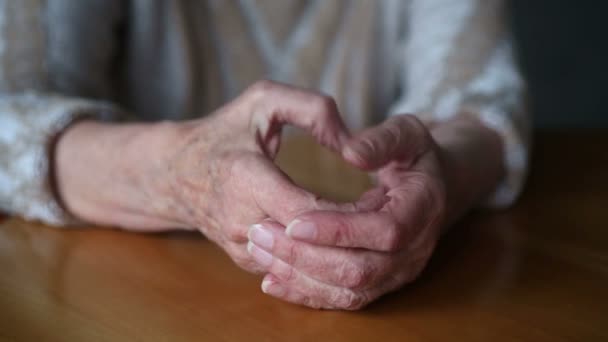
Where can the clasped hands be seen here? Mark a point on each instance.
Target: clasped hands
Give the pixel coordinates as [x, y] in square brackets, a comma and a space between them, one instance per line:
[313, 252]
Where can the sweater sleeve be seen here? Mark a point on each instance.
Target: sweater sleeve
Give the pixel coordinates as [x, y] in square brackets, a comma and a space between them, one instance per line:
[54, 63]
[458, 60]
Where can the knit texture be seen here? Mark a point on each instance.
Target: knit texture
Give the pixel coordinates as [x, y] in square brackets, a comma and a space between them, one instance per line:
[180, 59]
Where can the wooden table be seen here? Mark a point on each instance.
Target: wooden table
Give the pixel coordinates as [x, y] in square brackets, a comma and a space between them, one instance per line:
[537, 272]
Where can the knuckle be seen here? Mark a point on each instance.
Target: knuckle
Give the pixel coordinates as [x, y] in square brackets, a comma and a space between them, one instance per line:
[287, 273]
[263, 86]
[342, 233]
[349, 300]
[235, 235]
[354, 275]
[392, 239]
[292, 252]
[260, 89]
[370, 145]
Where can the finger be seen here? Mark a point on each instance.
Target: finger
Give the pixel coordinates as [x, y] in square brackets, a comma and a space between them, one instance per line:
[377, 231]
[291, 292]
[373, 199]
[239, 255]
[331, 296]
[401, 138]
[411, 209]
[279, 198]
[271, 285]
[276, 104]
[276, 287]
[343, 267]
[272, 146]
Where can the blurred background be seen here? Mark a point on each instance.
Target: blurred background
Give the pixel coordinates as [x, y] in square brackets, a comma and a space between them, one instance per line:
[563, 47]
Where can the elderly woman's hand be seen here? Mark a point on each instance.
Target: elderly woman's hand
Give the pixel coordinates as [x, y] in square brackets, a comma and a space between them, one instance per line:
[223, 176]
[215, 174]
[328, 259]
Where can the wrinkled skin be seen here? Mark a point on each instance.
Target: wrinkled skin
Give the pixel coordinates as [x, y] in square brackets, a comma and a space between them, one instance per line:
[350, 259]
[222, 174]
[216, 174]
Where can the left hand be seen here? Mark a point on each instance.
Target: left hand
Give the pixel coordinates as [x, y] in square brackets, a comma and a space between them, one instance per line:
[338, 260]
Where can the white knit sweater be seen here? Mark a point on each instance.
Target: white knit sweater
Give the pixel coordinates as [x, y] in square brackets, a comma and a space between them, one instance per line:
[156, 59]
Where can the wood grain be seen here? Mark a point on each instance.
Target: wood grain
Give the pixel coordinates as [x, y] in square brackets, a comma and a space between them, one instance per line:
[537, 272]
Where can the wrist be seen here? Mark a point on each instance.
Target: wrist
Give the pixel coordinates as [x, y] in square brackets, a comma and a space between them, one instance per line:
[112, 174]
[471, 156]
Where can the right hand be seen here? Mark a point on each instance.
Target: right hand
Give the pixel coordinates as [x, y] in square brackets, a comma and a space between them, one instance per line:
[214, 174]
[222, 177]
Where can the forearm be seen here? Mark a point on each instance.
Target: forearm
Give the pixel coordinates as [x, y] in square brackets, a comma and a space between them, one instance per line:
[473, 159]
[111, 174]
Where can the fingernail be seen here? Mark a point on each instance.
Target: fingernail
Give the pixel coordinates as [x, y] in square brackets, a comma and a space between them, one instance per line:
[272, 288]
[302, 230]
[261, 237]
[259, 255]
